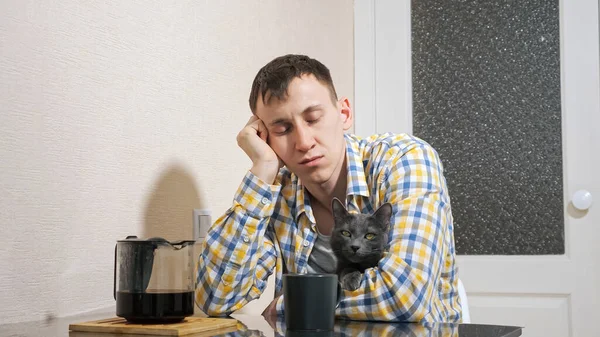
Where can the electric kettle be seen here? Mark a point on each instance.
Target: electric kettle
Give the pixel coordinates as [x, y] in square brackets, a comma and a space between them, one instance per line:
[154, 280]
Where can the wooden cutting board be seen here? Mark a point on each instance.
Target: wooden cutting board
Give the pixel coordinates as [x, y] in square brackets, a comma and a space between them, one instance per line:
[190, 325]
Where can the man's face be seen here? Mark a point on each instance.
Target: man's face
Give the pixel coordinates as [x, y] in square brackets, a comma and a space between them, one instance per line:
[306, 129]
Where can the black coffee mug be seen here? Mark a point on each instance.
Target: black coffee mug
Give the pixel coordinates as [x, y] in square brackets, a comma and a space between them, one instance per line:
[310, 301]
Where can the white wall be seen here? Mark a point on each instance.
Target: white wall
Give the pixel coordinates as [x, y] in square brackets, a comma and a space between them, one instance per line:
[119, 118]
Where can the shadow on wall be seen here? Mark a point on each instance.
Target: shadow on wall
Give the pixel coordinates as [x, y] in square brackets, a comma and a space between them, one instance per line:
[169, 209]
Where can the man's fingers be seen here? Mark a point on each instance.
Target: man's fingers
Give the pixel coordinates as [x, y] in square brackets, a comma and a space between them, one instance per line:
[263, 133]
[251, 120]
[259, 127]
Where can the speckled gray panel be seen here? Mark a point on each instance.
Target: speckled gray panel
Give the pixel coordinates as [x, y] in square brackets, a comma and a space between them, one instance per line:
[486, 95]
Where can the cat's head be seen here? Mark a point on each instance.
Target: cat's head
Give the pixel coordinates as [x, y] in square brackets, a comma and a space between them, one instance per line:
[359, 237]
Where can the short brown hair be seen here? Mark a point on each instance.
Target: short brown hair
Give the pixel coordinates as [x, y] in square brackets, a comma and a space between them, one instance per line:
[276, 75]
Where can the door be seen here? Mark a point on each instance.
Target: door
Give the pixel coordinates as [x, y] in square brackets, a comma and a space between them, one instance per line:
[551, 291]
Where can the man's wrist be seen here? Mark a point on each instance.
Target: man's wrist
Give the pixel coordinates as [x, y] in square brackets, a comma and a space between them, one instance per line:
[266, 172]
[256, 197]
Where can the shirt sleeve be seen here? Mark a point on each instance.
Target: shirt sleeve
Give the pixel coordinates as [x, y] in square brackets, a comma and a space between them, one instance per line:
[239, 253]
[403, 287]
[279, 306]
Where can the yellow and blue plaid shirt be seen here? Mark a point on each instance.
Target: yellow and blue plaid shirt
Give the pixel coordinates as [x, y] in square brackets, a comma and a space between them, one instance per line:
[271, 229]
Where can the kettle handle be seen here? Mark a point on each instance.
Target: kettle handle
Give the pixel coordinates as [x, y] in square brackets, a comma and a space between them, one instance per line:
[115, 275]
[115, 267]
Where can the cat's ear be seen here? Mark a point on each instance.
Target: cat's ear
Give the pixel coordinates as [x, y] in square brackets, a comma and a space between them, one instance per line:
[383, 215]
[338, 209]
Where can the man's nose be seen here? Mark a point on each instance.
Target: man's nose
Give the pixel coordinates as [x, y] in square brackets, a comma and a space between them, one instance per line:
[304, 138]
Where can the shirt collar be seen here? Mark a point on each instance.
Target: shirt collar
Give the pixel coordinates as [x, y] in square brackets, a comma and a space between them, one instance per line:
[356, 180]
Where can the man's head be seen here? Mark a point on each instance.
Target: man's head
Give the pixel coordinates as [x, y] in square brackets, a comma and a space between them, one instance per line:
[274, 78]
[295, 98]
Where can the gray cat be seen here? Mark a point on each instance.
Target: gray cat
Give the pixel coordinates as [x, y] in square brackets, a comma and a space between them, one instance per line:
[358, 241]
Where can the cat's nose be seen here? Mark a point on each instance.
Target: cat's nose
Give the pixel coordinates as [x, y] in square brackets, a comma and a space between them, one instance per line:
[354, 248]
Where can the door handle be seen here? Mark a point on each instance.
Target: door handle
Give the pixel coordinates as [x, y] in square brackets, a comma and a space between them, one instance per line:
[582, 200]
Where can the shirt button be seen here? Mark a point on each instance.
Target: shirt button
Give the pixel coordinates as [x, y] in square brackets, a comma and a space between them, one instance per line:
[265, 201]
[246, 239]
[306, 243]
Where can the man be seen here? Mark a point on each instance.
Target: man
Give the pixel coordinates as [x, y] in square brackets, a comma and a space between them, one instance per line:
[301, 159]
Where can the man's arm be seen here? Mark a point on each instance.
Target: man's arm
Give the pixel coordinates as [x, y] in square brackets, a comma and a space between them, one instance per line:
[404, 285]
[240, 252]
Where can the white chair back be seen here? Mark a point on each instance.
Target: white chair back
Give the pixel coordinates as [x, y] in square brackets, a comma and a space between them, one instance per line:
[464, 303]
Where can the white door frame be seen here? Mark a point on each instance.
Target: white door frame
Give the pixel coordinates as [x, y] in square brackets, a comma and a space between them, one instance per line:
[548, 284]
[375, 43]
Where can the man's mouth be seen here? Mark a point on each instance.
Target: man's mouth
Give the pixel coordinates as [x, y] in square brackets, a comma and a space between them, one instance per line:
[310, 160]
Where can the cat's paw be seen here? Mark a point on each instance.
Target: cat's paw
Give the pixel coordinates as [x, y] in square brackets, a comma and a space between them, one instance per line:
[351, 281]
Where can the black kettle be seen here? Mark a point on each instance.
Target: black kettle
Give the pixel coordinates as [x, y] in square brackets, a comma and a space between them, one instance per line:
[154, 280]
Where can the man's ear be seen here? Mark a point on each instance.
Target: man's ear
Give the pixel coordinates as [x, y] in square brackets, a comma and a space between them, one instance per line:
[346, 113]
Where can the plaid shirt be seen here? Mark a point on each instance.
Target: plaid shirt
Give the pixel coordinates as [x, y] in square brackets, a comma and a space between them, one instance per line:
[272, 229]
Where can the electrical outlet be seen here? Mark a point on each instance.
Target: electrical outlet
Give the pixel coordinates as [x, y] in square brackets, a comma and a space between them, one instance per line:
[202, 222]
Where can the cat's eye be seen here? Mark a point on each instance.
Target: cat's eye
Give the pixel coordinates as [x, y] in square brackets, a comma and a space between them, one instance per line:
[345, 233]
[370, 236]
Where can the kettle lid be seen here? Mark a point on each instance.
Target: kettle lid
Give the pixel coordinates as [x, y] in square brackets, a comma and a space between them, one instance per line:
[157, 241]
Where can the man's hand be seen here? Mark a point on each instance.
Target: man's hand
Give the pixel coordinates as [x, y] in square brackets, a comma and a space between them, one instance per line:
[271, 309]
[253, 140]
